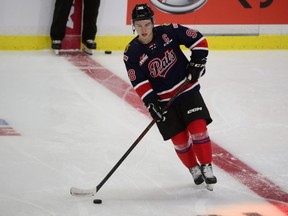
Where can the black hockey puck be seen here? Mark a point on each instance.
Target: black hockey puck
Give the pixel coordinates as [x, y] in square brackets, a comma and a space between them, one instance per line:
[108, 52]
[97, 201]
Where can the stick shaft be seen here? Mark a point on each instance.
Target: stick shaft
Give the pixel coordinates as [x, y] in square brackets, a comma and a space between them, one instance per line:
[99, 186]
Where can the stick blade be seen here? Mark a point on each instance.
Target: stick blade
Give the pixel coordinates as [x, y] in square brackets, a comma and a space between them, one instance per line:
[78, 192]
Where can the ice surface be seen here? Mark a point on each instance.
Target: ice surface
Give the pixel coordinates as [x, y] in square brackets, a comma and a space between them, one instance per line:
[74, 130]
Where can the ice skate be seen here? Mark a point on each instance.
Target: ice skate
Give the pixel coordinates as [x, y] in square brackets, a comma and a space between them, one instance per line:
[56, 46]
[209, 178]
[197, 174]
[88, 46]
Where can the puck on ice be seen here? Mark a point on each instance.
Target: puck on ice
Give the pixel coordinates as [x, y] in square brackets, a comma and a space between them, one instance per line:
[108, 52]
[97, 201]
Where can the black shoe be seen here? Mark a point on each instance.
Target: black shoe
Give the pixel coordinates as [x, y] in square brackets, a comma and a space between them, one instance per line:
[90, 44]
[197, 174]
[56, 46]
[207, 173]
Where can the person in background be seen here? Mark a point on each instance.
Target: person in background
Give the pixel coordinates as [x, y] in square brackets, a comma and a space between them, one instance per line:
[89, 28]
[157, 67]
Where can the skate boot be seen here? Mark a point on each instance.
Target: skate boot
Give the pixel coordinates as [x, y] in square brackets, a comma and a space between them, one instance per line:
[197, 174]
[209, 178]
[88, 46]
[56, 46]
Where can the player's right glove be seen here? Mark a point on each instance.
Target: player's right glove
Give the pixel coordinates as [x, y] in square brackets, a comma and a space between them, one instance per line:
[195, 69]
[156, 112]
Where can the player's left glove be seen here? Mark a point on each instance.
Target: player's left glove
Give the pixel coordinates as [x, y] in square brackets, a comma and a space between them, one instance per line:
[195, 69]
[155, 110]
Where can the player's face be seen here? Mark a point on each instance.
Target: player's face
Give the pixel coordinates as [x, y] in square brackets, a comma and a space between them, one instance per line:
[144, 29]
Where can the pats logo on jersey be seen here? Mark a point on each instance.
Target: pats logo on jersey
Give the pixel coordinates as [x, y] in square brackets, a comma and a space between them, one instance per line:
[160, 67]
[178, 6]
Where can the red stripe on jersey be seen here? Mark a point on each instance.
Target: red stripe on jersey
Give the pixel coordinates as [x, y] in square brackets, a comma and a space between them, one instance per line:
[202, 44]
[143, 89]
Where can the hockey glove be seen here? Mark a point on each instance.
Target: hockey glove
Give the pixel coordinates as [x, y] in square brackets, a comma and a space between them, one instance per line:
[195, 69]
[156, 112]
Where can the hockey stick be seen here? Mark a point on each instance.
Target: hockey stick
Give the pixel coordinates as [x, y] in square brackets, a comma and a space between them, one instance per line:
[91, 192]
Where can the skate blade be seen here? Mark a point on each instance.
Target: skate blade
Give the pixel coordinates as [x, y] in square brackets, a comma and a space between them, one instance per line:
[209, 187]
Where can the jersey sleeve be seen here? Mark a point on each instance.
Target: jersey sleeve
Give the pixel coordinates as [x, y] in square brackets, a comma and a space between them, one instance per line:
[137, 77]
[193, 40]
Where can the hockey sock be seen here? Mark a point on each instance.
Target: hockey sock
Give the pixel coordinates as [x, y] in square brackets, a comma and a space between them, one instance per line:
[184, 149]
[201, 141]
[203, 150]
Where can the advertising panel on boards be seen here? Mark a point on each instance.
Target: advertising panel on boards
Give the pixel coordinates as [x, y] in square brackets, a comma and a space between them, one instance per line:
[218, 12]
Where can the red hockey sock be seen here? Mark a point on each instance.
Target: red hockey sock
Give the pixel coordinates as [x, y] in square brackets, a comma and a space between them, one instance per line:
[201, 141]
[188, 158]
[203, 152]
[184, 150]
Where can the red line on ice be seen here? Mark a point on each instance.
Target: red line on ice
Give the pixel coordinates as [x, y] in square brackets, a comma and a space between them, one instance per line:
[258, 183]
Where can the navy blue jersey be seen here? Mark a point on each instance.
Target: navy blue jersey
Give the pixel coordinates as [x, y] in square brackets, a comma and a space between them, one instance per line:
[156, 70]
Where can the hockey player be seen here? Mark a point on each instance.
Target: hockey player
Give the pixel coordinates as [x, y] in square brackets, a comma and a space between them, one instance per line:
[157, 67]
[60, 18]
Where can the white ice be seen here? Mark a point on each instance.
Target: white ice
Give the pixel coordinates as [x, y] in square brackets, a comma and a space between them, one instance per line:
[74, 130]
